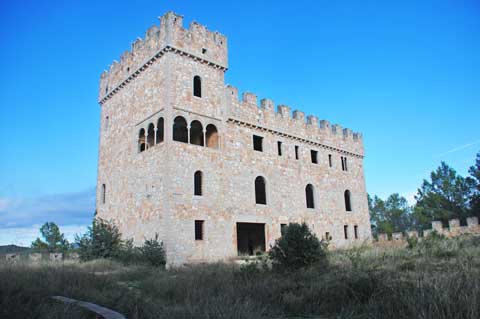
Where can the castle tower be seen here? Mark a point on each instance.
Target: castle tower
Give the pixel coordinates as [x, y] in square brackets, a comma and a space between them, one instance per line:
[214, 176]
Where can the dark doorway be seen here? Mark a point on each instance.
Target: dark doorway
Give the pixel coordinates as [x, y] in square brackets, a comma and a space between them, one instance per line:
[250, 238]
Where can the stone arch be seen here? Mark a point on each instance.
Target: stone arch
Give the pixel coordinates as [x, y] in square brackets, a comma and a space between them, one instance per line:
[159, 133]
[198, 183]
[197, 86]
[180, 130]
[151, 135]
[141, 140]
[260, 190]
[211, 136]
[196, 133]
[310, 196]
[348, 201]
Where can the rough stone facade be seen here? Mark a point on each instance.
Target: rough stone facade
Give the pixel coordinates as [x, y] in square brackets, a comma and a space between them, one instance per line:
[146, 178]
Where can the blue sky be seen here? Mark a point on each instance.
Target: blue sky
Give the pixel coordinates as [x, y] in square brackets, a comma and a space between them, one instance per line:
[404, 73]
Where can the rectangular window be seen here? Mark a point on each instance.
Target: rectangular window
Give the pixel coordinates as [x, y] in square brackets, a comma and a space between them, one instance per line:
[296, 152]
[330, 163]
[279, 146]
[199, 230]
[345, 231]
[327, 236]
[355, 230]
[258, 143]
[283, 228]
[314, 155]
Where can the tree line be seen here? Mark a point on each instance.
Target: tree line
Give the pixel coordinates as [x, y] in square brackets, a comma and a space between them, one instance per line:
[445, 195]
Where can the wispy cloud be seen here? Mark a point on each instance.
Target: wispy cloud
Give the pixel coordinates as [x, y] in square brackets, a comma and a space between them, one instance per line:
[20, 218]
[459, 148]
[23, 236]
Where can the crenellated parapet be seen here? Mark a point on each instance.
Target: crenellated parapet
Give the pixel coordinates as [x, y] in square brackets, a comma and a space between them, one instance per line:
[296, 125]
[196, 42]
[454, 229]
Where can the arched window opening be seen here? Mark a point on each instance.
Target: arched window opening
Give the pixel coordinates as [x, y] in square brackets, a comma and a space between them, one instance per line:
[104, 193]
[159, 137]
[141, 140]
[151, 135]
[309, 196]
[260, 193]
[348, 204]
[198, 183]
[212, 136]
[196, 133]
[197, 86]
[180, 130]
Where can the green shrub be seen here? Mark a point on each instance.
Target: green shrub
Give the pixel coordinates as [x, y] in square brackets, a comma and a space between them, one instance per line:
[153, 253]
[297, 248]
[102, 240]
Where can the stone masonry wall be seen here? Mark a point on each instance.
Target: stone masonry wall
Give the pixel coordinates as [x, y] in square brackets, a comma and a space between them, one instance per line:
[152, 191]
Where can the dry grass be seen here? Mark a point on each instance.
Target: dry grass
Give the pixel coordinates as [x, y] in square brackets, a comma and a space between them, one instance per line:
[442, 282]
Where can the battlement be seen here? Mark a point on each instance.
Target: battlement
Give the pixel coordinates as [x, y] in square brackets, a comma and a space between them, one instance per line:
[453, 230]
[196, 42]
[308, 128]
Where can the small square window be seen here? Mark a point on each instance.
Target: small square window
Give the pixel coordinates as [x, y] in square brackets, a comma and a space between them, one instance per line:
[314, 155]
[279, 146]
[204, 50]
[258, 143]
[199, 230]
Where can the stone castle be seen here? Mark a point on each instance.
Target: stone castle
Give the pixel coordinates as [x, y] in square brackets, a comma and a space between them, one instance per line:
[217, 177]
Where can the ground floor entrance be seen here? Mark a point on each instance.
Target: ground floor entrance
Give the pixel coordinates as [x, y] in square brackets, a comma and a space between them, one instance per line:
[250, 238]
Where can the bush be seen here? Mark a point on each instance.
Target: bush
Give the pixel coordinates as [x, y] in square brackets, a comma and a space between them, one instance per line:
[297, 248]
[102, 240]
[153, 253]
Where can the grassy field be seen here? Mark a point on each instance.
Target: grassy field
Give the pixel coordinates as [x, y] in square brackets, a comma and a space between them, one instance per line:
[435, 280]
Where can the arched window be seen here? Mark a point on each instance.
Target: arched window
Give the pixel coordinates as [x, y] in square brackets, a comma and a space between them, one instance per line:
[197, 86]
[212, 136]
[141, 140]
[348, 204]
[198, 183]
[260, 193]
[151, 135]
[159, 137]
[104, 193]
[180, 130]
[309, 196]
[196, 133]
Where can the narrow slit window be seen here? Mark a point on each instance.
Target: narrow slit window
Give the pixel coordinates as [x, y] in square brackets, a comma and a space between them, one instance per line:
[345, 231]
[346, 167]
[343, 163]
[198, 183]
[355, 231]
[314, 155]
[296, 152]
[199, 229]
[197, 86]
[279, 147]
[258, 143]
[330, 163]
[104, 193]
[260, 192]
[283, 228]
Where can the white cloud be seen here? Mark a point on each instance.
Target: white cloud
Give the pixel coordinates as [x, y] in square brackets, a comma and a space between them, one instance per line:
[21, 218]
[23, 236]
